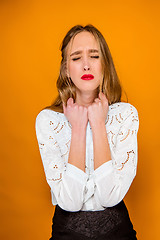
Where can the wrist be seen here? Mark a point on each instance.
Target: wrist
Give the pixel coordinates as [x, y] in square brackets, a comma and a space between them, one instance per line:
[98, 125]
[79, 128]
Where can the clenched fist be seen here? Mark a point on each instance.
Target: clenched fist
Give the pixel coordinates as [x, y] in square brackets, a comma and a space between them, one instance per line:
[98, 110]
[76, 115]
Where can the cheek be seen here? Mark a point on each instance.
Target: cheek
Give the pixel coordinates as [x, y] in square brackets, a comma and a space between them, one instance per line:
[73, 68]
[98, 67]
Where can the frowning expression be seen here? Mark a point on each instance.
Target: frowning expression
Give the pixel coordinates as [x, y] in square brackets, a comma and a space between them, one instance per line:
[84, 59]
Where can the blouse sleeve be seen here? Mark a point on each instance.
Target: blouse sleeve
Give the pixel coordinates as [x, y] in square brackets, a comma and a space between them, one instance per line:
[113, 178]
[67, 182]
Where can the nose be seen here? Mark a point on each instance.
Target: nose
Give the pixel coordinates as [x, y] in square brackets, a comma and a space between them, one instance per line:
[86, 63]
[86, 67]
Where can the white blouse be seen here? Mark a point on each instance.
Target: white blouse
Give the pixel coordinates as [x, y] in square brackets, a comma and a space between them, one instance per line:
[73, 189]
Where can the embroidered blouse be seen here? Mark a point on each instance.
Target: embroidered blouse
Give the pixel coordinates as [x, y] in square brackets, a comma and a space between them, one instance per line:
[73, 189]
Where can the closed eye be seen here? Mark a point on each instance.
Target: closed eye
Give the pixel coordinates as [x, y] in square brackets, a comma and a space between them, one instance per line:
[94, 56]
[74, 59]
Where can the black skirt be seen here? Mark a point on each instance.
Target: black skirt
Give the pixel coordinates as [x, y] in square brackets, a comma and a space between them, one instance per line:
[113, 223]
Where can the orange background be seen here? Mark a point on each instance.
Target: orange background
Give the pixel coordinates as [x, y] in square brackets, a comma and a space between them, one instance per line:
[31, 33]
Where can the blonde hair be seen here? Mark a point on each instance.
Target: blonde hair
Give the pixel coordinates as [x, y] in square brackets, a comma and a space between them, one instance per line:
[110, 85]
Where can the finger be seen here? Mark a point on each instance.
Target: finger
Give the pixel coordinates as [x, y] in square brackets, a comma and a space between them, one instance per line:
[97, 100]
[102, 96]
[75, 104]
[70, 101]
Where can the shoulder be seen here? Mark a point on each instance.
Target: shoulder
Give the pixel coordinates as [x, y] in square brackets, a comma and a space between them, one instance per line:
[121, 111]
[122, 108]
[47, 117]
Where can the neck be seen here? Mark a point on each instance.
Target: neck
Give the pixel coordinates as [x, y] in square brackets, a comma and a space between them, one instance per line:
[85, 98]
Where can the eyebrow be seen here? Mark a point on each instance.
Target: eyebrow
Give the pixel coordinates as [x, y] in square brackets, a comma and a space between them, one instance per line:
[78, 52]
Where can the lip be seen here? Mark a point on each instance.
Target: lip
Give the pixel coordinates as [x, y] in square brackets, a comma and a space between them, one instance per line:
[87, 77]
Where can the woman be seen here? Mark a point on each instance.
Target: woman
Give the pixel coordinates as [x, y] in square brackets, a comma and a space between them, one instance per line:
[88, 143]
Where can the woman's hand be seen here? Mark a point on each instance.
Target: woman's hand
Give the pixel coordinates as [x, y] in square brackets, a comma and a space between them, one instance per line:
[98, 110]
[76, 115]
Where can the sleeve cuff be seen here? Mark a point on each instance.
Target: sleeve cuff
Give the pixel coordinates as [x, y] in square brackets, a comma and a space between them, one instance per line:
[76, 173]
[103, 170]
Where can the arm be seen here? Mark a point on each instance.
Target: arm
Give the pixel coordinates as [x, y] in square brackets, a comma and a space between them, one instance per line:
[66, 181]
[113, 178]
[101, 147]
[78, 147]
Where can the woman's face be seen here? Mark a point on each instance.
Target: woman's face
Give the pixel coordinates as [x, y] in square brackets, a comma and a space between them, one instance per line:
[84, 58]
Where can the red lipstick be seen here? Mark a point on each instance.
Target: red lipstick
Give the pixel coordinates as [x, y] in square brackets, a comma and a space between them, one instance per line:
[87, 77]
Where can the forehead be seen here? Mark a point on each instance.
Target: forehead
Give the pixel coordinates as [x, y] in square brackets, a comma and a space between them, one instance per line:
[83, 40]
